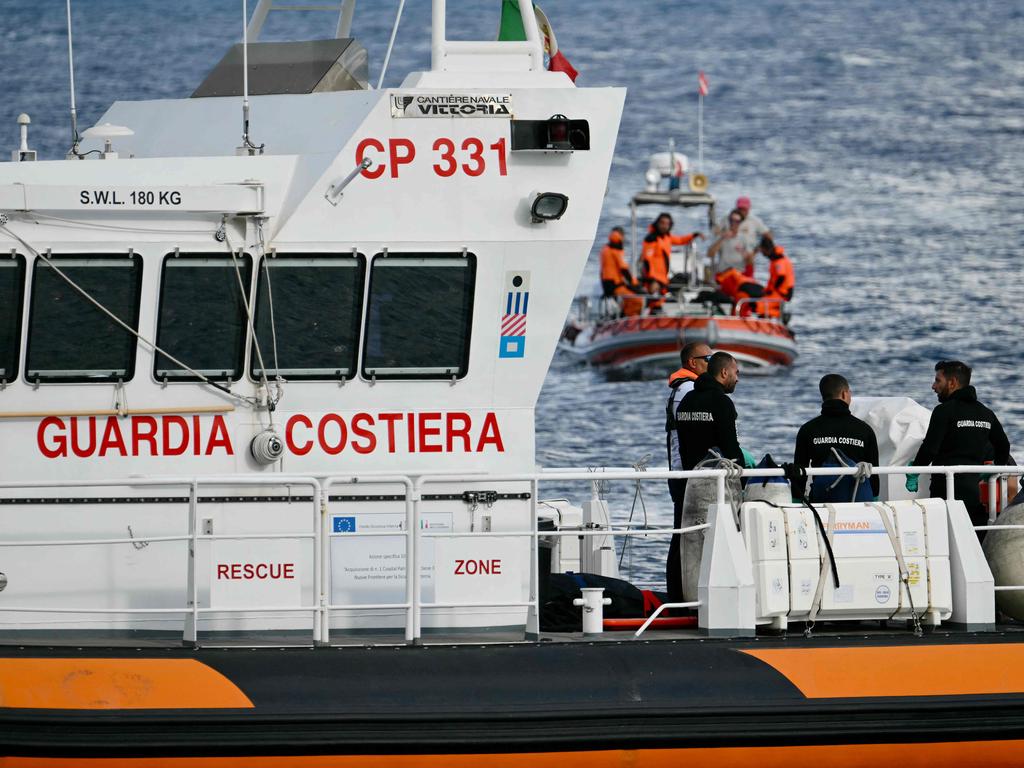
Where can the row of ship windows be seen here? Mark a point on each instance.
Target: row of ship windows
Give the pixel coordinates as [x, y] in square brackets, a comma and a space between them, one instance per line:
[307, 316]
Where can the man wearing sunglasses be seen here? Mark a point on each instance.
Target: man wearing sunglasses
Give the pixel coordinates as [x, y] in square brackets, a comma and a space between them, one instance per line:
[693, 358]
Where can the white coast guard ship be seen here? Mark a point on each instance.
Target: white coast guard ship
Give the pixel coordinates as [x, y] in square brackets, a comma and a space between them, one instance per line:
[275, 387]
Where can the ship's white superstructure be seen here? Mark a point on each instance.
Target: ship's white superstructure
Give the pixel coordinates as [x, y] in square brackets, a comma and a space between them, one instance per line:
[402, 296]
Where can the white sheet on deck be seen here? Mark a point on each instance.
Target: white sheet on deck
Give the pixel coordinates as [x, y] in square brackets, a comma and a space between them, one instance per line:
[899, 424]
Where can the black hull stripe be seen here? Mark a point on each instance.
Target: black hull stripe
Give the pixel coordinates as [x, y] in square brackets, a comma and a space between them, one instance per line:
[201, 736]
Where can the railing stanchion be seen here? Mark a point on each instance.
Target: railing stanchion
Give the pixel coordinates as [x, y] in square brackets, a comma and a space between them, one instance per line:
[950, 496]
[533, 617]
[720, 486]
[412, 561]
[321, 618]
[191, 634]
[993, 497]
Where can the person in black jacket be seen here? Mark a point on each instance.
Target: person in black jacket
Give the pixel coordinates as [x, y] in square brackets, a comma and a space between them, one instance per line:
[694, 357]
[961, 431]
[706, 417]
[836, 428]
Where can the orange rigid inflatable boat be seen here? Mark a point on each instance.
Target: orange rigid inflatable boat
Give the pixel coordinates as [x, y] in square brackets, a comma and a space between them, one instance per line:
[757, 343]
[640, 335]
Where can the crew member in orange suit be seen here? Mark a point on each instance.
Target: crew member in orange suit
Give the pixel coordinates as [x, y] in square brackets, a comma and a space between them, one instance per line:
[781, 277]
[616, 277]
[654, 259]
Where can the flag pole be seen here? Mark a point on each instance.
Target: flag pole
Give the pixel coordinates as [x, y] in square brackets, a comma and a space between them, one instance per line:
[700, 130]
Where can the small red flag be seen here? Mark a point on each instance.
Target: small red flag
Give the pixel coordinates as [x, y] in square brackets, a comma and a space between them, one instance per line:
[559, 63]
[702, 84]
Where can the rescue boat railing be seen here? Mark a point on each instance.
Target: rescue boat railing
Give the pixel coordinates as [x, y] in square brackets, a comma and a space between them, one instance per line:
[413, 604]
[572, 474]
[411, 526]
[191, 611]
[590, 309]
[414, 485]
[764, 301]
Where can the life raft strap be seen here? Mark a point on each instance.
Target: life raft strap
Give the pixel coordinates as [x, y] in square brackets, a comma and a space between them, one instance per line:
[819, 592]
[883, 512]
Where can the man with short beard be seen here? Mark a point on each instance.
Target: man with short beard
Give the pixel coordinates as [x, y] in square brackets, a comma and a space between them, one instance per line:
[961, 431]
[706, 418]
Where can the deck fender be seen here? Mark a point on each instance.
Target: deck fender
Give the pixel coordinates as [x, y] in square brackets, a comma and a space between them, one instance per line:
[726, 585]
[974, 596]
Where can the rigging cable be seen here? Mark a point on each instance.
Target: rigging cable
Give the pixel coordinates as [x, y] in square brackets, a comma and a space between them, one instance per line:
[250, 401]
[638, 495]
[262, 245]
[271, 400]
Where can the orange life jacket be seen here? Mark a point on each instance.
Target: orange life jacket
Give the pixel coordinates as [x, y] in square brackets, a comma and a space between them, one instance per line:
[730, 281]
[682, 373]
[737, 287]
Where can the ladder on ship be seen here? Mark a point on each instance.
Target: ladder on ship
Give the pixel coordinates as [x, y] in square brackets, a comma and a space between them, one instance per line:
[345, 10]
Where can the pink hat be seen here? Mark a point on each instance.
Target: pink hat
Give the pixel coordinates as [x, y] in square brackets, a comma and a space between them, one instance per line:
[743, 203]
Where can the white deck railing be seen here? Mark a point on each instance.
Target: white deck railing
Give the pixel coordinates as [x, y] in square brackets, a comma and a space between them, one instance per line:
[320, 534]
[445, 51]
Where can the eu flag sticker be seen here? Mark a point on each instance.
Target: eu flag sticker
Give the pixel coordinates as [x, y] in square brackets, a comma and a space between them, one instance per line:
[344, 524]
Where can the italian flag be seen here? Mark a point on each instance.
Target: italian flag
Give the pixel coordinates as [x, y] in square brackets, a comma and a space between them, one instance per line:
[511, 28]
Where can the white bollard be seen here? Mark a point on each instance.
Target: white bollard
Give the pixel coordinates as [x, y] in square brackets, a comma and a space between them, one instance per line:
[593, 603]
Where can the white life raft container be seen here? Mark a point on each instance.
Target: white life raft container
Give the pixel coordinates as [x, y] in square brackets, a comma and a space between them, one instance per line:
[789, 558]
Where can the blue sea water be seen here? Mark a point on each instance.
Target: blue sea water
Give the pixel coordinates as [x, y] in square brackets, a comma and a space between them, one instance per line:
[882, 142]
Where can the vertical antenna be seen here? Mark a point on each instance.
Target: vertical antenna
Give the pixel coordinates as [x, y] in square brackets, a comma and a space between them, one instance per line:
[247, 146]
[71, 71]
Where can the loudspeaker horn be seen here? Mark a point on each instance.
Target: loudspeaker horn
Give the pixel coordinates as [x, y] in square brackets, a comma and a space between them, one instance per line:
[698, 182]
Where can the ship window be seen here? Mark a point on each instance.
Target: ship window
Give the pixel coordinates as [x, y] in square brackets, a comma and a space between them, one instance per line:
[419, 316]
[202, 317]
[69, 337]
[12, 288]
[317, 303]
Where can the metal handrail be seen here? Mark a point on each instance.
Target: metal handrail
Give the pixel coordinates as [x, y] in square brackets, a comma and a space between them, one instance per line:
[564, 474]
[412, 591]
[664, 607]
[192, 610]
[414, 484]
[761, 315]
[441, 46]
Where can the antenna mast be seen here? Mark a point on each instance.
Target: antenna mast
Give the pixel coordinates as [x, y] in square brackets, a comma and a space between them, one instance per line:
[247, 148]
[75, 139]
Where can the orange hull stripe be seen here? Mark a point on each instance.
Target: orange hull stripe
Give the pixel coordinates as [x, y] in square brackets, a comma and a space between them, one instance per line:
[116, 684]
[978, 754]
[935, 670]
